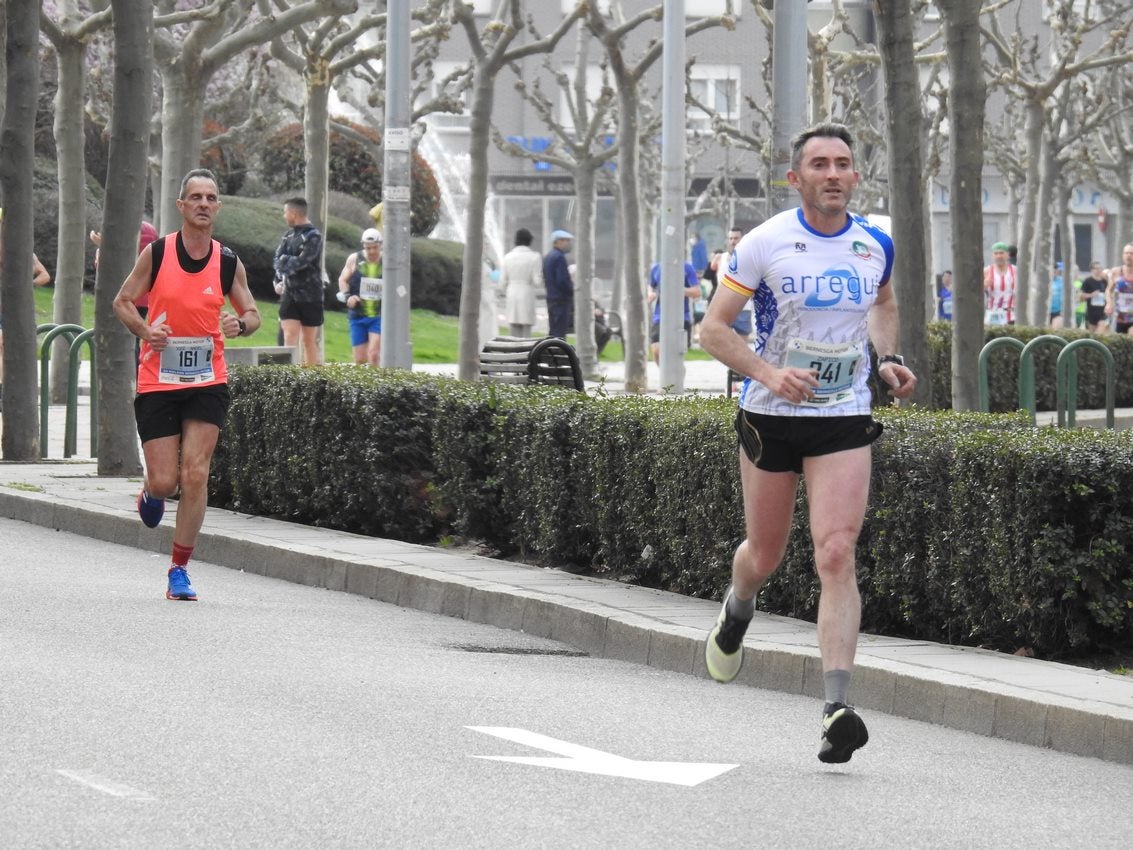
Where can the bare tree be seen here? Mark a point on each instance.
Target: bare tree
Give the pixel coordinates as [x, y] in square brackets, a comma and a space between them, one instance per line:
[581, 149]
[323, 52]
[121, 219]
[17, 165]
[69, 32]
[1112, 147]
[491, 51]
[966, 131]
[1038, 77]
[189, 48]
[907, 205]
[611, 30]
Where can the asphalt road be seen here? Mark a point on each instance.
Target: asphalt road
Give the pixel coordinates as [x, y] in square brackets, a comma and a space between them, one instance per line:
[277, 715]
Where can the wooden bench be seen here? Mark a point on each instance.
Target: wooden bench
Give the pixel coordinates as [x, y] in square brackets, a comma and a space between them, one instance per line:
[516, 360]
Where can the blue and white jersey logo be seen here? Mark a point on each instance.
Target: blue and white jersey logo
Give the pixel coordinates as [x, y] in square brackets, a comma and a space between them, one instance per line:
[830, 287]
[733, 263]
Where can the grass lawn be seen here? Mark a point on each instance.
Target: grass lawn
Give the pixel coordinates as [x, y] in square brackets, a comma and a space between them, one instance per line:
[435, 337]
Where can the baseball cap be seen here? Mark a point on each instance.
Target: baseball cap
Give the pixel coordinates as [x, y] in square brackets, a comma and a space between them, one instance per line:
[371, 234]
[560, 234]
[999, 246]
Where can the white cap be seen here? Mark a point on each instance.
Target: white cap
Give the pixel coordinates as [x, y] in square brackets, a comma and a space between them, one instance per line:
[371, 234]
[560, 234]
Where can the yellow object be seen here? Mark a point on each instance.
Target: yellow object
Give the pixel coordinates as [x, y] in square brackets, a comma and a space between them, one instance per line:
[378, 214]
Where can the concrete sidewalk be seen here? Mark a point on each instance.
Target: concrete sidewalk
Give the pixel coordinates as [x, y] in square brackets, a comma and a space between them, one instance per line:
[1045, 704]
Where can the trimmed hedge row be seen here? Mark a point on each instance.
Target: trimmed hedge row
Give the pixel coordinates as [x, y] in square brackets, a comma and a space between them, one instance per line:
[981, 530]
[1003, 368]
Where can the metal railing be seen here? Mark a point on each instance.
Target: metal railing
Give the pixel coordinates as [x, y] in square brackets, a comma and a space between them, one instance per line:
[1066, 375]
[77, 336]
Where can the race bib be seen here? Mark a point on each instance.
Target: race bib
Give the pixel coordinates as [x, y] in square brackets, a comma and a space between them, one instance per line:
[370, 289]
[1097, 299]
[1125, 302]
[995, 317]
[186, 360]
[834, 364]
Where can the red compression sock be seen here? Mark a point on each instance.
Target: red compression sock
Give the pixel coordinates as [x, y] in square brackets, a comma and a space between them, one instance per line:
[181, 554]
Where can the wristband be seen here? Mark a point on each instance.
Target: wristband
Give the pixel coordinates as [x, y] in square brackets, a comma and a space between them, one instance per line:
[891, 358]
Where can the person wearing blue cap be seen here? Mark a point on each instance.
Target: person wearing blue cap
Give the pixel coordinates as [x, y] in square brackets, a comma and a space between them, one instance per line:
[560, 287]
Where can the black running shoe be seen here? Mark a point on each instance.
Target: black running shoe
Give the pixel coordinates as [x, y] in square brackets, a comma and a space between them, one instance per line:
[724, 649]
[843, 731]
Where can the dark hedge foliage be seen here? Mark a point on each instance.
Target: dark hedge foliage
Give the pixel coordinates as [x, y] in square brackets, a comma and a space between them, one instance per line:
[981, 529]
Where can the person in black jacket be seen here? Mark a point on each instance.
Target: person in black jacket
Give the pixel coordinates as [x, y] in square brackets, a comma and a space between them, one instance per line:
[299, 281]
[560, 287]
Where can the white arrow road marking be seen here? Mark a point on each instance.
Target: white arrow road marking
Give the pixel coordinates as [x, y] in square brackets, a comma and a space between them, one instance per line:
[585, 760]
[105, 785]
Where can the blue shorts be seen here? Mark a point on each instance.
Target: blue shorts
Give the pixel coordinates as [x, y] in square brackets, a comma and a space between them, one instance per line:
[362, 327]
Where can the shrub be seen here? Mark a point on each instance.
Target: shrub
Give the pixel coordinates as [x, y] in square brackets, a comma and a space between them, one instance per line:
[355, 169]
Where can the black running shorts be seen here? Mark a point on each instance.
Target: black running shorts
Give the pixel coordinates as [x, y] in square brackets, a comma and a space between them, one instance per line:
[161, 414]
[308, 313]
[779, 443]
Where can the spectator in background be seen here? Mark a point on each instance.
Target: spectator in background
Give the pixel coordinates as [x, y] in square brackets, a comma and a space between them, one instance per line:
[1056, 297]
[299, 280]
[560, 286]
[521, 276]
[698, 253]
[361, 287]
[999, 287]
[944, 296]
[1093, 294]
[1121, 291]
[691, 290]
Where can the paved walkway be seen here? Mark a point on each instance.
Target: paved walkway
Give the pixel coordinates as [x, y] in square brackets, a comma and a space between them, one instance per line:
[1045, 704]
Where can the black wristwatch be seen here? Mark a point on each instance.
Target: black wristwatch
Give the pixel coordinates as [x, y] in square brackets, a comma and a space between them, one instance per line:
[890, 358]
[243, 327]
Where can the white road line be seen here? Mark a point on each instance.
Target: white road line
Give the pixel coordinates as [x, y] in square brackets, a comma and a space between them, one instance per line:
[105, 785]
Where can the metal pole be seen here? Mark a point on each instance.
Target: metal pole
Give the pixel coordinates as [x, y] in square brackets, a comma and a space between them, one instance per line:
[673, 339]
[788, 91]
[397, 347]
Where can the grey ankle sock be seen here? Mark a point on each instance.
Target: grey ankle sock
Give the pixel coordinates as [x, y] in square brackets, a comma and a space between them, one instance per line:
[741, 609]
[837, 684]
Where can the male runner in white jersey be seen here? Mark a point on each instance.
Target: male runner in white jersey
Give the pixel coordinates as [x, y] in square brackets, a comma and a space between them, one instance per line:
[818, 279]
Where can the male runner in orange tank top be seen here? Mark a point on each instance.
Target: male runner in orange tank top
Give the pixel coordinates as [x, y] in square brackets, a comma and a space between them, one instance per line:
[182, 378]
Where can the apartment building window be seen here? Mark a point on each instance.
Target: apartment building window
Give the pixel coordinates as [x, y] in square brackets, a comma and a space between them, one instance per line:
[716, 87]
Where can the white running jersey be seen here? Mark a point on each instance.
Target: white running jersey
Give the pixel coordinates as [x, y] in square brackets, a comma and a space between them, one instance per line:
[811, 293]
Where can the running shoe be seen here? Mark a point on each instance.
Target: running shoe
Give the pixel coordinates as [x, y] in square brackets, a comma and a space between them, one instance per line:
[151, 510]
[179, 587]
[724, 649]
[843, 731]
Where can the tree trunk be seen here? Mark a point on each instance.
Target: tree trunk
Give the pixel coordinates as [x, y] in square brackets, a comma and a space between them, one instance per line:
[72, 227]
[636, 377]
[479, 137]
[121, 218]
[1025, 237]
[966, 145]
[316, 131]
[17, 167]
[906, 188]
[182, 116]
[586, 198]
[1040, 250]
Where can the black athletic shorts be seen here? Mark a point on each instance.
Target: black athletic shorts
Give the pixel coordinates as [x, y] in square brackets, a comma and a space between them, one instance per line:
[779, 443]
[161, 414]
[309, 313]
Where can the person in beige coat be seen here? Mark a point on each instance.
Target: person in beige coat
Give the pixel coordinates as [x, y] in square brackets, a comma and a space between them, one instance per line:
[521, 276]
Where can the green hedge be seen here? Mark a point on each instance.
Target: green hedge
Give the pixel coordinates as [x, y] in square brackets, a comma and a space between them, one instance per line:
[981, 529]
[1003, 368]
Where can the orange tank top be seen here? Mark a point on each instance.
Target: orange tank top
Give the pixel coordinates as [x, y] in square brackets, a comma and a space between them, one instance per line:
[190, 303]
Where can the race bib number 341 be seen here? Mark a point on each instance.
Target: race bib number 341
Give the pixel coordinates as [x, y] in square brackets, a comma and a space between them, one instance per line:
[834, 364]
